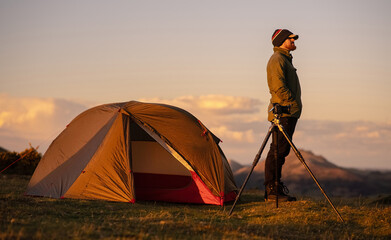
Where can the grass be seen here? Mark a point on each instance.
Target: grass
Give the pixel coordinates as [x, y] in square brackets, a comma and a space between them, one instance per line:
[24, 217]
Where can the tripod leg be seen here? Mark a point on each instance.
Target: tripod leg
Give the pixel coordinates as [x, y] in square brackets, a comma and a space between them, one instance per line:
[257, 157]
[275, 141]
[300, 157]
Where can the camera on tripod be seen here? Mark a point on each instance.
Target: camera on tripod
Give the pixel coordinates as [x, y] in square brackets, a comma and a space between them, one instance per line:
[278, 109]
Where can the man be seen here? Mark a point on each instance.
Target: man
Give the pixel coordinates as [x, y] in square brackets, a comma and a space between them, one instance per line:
[285, 90]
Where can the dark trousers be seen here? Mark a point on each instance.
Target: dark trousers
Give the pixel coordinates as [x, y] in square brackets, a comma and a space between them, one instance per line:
[289, 125]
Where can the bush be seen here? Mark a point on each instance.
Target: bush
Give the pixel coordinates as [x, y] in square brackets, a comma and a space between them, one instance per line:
[24, 163]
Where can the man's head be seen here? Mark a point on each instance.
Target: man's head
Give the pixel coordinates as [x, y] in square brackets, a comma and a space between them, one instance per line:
[285, 39]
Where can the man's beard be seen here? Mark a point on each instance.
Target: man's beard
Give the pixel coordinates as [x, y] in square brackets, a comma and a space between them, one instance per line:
[292, 47]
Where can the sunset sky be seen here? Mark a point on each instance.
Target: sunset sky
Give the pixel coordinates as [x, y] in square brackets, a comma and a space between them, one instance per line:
[58, 58]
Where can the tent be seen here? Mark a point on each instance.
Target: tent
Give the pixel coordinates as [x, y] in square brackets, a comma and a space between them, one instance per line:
[134, 150]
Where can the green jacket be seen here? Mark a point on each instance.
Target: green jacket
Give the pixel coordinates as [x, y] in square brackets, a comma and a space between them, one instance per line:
[284, 85]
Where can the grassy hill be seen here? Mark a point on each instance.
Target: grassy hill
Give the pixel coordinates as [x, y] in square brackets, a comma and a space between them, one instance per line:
[24, 217]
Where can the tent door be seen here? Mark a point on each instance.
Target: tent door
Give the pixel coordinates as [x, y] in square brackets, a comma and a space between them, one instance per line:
[153, 167]
[161, 174]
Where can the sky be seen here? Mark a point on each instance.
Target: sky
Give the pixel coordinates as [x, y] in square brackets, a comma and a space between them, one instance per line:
[59, 58]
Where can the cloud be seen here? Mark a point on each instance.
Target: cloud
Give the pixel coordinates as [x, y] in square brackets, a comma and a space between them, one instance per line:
[238, 136]
[31, 119]
[213, 104]
[228, 104]
[239, 122]
[16, 112]
[354, 144]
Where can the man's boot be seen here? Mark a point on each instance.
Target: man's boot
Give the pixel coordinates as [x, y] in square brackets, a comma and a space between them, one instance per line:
[271, 193]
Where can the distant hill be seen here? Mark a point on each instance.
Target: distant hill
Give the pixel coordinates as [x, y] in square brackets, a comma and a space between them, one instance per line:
[3, 150]
[335, 180]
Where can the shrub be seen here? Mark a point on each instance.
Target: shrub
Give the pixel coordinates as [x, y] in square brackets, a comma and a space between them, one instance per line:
[23, 163]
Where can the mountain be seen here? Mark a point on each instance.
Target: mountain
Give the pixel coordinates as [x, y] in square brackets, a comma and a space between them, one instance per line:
[335, 180]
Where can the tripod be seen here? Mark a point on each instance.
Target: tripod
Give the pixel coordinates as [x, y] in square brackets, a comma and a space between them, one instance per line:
[278, 110]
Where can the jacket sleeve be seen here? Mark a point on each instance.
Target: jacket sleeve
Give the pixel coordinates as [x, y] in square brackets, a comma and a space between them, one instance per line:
[277, 81]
